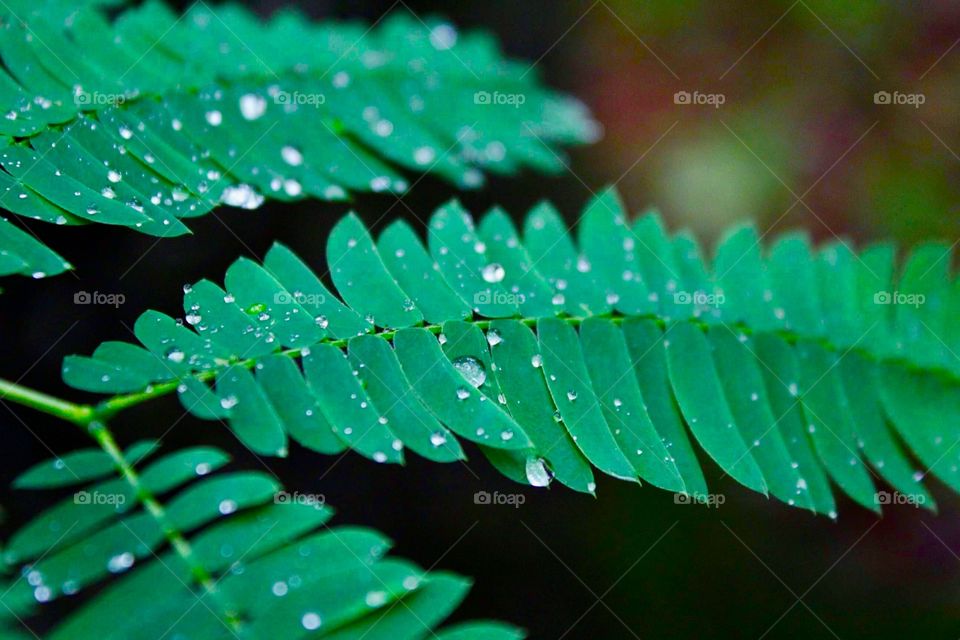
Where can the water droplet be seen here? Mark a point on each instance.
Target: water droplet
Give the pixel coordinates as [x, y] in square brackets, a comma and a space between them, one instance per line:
[462, 393]
[292, 156]
[494, 338]
[175, 355]
[310, 621]
[252, 106]
[229, 402]
[443, 37]
[379, 183]
[537, 361]
[571, 395]
[493, 272]
[438, 438]
[471, 369]
[537, 473]
[241, 195]
[120, 562]
[214, 117]
[376, 598]
[506, 435]
[424, 155]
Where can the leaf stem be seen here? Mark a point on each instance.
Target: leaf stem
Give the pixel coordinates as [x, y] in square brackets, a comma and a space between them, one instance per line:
[89, 419]
[79, 414]
[98, 431]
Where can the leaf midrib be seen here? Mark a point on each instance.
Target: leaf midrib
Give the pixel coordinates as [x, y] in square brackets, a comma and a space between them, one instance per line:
[119, 402]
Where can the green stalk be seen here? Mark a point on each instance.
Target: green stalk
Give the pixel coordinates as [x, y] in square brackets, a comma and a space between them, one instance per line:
[88, 418]
[76, 413]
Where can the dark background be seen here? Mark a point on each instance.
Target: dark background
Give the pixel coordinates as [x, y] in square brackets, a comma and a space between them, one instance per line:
[799, 111]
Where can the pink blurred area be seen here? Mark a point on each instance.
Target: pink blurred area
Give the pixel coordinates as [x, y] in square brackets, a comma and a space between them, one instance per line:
[800, 138]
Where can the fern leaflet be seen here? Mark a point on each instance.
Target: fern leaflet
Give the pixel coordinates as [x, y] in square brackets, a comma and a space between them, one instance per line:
[790, 367]
[150, 118]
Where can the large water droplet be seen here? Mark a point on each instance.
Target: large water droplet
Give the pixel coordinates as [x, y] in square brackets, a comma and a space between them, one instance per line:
[471, 369]
[537, 473]
[310, 621]
[291, 155]
[120, 562]
[493, 272]
[241, 195]
[252, 106]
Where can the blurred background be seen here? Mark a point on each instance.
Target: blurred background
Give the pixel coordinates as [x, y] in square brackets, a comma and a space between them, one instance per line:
[785, 126]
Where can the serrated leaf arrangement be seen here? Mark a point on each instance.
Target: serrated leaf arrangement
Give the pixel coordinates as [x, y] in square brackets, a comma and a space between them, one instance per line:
[618, 348]
[786, 363]
[158, 118]
[260, 563]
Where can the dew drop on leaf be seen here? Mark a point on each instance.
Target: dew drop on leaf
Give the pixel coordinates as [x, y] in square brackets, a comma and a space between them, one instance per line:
[252, 106]
[310, 621]
[493, 272]
[537, 473]
[471, 369]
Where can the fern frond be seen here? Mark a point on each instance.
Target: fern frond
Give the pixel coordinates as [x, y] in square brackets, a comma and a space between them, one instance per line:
[272, 566]
[151, 118]
[791, 367]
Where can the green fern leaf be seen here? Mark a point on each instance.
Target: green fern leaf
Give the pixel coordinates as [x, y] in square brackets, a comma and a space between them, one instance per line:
[150, 118]
[788, 366]
[275, 568]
